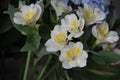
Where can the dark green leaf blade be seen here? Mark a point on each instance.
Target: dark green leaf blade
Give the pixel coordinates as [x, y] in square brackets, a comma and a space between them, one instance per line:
[106, 57]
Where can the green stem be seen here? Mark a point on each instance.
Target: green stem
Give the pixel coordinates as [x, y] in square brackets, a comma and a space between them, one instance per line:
[67, 76]
[27, 65]
[53, 68]
[34, 67]
[92, 52]
[95, 45]
[44, 68]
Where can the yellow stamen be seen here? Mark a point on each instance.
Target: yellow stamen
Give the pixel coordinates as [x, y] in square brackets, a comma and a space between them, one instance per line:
[89, 15]
[73, 53]
[76, 51]
[60, 38]
[69, 55]
[74, 26]
[102, 32]
[89, 12]
[28, 16]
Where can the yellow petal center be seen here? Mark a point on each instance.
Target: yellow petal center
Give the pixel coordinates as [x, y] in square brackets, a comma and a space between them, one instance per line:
[74, 26]
[73, 53]
[89, 15]
[28, 16]
[76, 51]
[102, 32]
[89, 12]
[60, 38]
[69, 55]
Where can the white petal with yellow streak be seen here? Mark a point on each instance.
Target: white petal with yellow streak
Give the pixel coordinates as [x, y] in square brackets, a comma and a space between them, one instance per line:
[73, 55]
[28, 14]
[58, 39]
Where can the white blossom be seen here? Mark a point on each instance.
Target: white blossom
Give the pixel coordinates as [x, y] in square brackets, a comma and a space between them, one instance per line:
[103, 35]
[60, 7]
[91, 15]
[28, 14]
[58, 39]
[73, 25]
[73, 55]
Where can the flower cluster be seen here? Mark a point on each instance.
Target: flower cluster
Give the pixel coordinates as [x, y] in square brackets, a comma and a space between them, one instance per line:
[72, 54]
[72, 27]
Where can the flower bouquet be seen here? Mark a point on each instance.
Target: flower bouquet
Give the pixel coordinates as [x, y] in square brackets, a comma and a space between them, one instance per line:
[68, 39]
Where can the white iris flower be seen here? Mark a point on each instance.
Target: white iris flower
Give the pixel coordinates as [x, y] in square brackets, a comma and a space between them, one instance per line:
[28, 14]
[73, 55]
[60, 7]
[73, 25]
[58, 39]
[103, 35]
[91, 15]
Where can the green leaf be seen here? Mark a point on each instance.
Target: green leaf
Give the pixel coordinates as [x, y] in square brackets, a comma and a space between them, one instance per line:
[47, 3]
[42, 52]
[98, 60]
[53, 17]
[99, 72]
[112, 22]
[44, 32]
[101, 75]
[32, 43]
[28, 30]
[106, 57]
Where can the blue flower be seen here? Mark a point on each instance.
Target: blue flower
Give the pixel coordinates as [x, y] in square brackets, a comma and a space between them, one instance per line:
[106, 2]
[76, 2]
[102, 4]
[65, 1]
